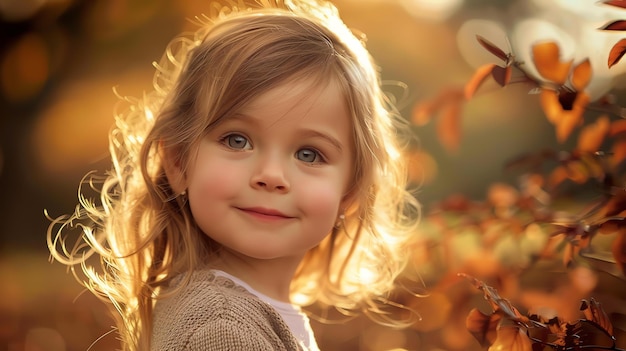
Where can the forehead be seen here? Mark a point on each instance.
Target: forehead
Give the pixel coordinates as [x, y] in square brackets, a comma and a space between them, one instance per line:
[300, 98]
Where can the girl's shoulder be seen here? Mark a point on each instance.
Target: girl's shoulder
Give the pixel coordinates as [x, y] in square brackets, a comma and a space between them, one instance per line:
[207, 311]
[204, 288]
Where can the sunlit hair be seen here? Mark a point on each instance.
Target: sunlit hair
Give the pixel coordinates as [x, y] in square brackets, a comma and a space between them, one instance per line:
[143, 231]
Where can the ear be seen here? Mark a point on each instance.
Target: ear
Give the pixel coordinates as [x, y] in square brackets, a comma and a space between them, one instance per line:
[173, 170]
[348, 202]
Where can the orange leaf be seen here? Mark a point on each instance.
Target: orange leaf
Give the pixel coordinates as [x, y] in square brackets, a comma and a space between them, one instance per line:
[577, 172]
[502, 75]
[617, 127]
[502, 195]
[558, 176]
[511, 338]
[423, 112]
[565, 120]
[546, 57]
[566, 126]
[592, 135]
[422, 167]
[594, 312]
[618, 249]
[492, 48]
[478, 79]
[619, 152]
[569, 120]
[594, 167]
[617, 3]
[482, 327]
[550, 105]
[615, 25]
[449, 127]
[581, 75]
[568, 254]
[608, 227]
[583, 243]
[497, 303]
[617, 51]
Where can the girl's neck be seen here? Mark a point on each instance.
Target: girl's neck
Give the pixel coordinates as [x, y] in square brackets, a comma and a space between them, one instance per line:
[271, 277]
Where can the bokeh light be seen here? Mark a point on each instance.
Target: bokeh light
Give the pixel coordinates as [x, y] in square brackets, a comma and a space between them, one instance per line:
[25, 68]
[431, 10]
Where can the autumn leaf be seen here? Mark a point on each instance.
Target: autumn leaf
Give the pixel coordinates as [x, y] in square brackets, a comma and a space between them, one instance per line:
[478, 78]
[497, 303]
[568, 254]
[456, 203]
[502, 195]
[511, 338]
[619, 25]
[592, 135]
[423, 112]
[555, 325]
[577, 167]
[618, 128]
[616, 204]
[534, 160]
[565, 120]
[502, 75]
[558, 176]
[619, 152]
[586, 334]
[581, 75]
[492, 48]
[595, 167]
[550, 105]
[617, 51]
[546, 57]
[608, 227]
[449, 127]
[616, 3]
[422, 167]
[594, 312]
[577, 172]
[482, 327]
[569, 121]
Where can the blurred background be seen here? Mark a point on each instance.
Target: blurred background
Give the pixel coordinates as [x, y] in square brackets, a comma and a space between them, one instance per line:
[60, 61]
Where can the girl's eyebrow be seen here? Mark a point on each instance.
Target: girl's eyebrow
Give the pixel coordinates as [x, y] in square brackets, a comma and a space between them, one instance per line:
[304, 133]
[311, 133]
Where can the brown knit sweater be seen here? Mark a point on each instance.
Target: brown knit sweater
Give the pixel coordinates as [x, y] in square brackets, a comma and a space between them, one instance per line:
[213, 313]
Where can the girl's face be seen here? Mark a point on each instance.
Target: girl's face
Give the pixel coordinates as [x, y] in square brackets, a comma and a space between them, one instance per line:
[270, 181]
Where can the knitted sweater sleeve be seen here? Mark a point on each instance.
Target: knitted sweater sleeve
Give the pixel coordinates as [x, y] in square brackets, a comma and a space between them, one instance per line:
[212, 313]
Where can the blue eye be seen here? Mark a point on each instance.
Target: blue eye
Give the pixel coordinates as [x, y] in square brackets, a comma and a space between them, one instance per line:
[237, 141]
[308, 155]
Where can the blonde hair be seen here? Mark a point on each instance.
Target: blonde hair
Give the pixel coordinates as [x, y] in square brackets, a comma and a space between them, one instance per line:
[144, 233]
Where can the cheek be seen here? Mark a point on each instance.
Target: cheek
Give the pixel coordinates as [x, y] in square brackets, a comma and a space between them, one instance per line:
[322, 201]
[214, 181]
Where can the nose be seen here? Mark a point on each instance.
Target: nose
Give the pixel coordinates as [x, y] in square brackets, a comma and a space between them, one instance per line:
[270, 174]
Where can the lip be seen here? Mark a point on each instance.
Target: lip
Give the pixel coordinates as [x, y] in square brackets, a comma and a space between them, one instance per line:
[264, 213]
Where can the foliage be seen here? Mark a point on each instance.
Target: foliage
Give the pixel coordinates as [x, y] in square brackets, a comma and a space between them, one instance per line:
[595, 164]
[507, 329]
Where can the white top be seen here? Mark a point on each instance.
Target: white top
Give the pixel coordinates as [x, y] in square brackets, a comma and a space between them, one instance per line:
[297, 321]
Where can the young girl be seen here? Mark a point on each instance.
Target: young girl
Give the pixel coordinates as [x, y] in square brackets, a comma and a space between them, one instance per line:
[262, 174]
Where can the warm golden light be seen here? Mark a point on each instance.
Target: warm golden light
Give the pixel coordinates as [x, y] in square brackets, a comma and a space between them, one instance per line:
[24, 68]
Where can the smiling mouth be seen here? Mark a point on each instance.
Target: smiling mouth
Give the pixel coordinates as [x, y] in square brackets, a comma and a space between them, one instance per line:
[265, 214]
